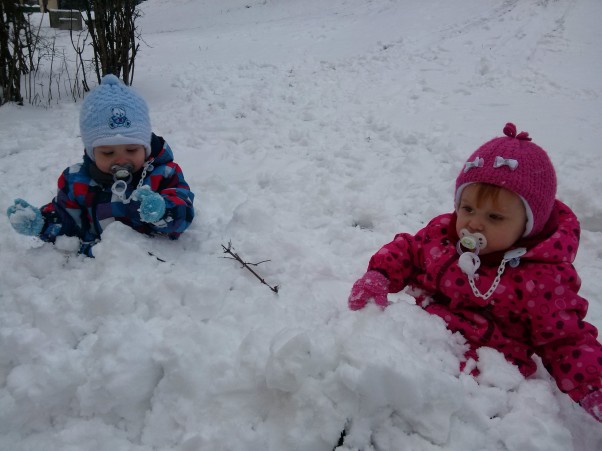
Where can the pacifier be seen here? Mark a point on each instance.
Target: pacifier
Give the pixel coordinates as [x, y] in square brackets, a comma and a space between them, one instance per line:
[122, 172]
[469, 261]
[122, 176]
[474, 242]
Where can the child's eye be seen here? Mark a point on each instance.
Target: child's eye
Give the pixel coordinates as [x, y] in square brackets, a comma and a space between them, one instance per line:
[134, 150]
[495, 217]
[467, 208]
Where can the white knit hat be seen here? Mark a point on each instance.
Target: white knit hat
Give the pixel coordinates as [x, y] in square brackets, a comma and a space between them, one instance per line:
[114, 114]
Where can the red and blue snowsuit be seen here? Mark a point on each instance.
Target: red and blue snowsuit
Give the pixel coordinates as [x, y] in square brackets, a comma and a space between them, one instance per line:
[534, 310]
[85, 204]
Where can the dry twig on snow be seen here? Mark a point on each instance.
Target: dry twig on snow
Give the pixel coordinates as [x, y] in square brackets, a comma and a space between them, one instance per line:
[234, 256]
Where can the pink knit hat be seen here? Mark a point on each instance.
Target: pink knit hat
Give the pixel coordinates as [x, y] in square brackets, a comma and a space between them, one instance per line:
[515, 163]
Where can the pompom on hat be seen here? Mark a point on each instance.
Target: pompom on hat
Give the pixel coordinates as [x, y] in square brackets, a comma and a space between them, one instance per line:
[515, 163]
[114, 114]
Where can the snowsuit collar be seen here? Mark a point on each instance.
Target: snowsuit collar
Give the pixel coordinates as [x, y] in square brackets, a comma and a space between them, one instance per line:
[561, 242]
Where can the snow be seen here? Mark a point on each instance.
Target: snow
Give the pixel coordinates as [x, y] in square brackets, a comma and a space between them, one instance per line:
[310, 132]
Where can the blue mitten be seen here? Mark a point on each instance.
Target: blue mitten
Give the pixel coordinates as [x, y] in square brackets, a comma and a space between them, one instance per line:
[25, 219]
[152, 205]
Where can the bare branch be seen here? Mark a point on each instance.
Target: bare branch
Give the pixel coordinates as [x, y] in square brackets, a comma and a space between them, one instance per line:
[234, 256]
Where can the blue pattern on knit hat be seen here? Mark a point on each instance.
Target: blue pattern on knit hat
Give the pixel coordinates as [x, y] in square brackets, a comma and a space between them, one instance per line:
[114, 114]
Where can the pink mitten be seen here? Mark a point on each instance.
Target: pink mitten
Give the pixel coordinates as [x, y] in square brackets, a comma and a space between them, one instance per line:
[592, 404]
[372, 285]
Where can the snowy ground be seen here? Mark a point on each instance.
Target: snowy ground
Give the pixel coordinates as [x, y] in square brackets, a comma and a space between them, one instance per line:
[311, 133]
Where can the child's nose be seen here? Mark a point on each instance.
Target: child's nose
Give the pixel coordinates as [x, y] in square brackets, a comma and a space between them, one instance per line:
[475, 225]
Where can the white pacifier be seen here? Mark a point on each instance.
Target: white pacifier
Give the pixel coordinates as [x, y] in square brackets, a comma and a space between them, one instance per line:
[469, 261]
[474, 242]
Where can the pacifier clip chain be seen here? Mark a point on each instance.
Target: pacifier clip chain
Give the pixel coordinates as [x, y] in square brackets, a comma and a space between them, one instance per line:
[469, 263]
[494, 285]
[120, 186]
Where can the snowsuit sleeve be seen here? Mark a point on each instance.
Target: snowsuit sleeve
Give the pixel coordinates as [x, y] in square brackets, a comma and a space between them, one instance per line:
[401, 259]
[64, 215]
[168, 180]
[395, 261]
[566, 343]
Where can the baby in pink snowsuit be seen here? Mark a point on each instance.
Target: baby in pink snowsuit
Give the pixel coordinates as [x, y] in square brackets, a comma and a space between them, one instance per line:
[499, 268]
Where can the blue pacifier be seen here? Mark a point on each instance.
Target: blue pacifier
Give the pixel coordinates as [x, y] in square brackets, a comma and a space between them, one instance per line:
[122, 172]
[122, 176]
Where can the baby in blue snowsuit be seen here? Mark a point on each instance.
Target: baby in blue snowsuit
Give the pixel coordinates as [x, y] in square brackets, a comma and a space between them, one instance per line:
[127, 175]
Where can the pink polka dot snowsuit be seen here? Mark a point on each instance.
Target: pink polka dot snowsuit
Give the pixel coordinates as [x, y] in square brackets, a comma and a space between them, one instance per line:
[534, 310]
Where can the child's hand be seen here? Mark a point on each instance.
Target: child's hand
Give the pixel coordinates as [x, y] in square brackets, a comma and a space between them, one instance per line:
[152, 205]
[372, 285]
[25, 219]
[592, 404]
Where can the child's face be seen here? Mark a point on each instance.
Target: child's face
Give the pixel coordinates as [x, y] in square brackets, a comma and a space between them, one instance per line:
[107, 156]
[502, 220]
